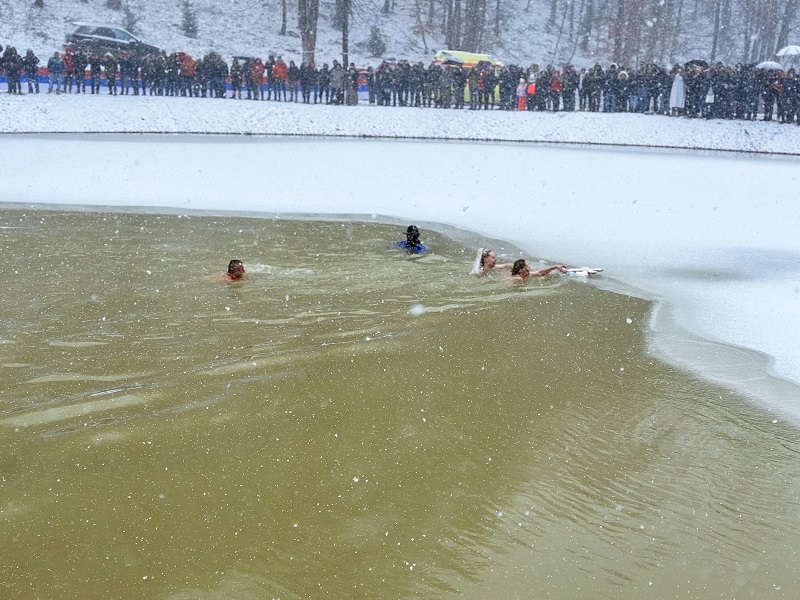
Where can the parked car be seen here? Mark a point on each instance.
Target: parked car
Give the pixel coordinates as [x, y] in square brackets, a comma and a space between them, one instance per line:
[102, 38]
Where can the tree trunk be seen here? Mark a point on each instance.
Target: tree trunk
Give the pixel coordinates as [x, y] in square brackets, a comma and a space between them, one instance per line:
[618, 32]
[474, 19]
[307, 18]
[345, 33]
[283, 18]
[497, 20]
[789, 14]
[551, 21]
[458, 22]
[588, 25]
[747, 31]
[715, 35]
[572, 20]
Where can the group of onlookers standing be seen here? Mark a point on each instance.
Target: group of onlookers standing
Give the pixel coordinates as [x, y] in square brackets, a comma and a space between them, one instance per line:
[694, 89]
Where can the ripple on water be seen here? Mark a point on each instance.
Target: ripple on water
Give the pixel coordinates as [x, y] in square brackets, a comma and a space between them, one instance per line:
[70, 411]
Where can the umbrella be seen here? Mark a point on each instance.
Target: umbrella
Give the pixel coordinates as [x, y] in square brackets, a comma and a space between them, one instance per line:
[788, 51]
[770, 65]
[698, 62]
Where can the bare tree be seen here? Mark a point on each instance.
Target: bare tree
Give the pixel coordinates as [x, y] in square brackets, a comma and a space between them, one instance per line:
[617, 32]
[551, 21]
[789, 16]
[283, 18]
[587, 26]
[307, 18]
[715, 35]
[474, 22]
[453, 24]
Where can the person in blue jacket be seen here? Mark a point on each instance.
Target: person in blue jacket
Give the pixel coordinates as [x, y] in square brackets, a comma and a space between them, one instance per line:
[412, 244]
[55, 70]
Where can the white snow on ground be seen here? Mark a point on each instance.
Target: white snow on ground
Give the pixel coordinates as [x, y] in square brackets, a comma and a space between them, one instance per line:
[138, 114]
[714, 235]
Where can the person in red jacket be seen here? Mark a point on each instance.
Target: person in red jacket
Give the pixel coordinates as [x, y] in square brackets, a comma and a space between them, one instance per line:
[257, 75]
[188, 69]
[555, 89]
[69, 69]
[280, 75]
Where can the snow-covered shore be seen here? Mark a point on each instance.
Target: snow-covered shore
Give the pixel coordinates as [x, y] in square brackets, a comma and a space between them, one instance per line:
[73, 113]
[713, 235]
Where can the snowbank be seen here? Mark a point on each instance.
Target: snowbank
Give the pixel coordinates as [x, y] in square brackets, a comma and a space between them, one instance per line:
[67, 113]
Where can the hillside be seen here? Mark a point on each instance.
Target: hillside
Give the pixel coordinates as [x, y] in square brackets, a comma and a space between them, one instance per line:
[529, 30]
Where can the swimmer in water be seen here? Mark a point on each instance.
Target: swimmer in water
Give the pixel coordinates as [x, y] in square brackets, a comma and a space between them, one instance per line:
[235, 271]
[488, 262]
[411, 244]
[520, 271]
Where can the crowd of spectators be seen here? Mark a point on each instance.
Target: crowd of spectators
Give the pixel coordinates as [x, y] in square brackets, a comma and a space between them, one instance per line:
[694, 89]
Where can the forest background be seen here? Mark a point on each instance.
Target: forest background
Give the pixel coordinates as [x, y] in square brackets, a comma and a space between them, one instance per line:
[580, 32]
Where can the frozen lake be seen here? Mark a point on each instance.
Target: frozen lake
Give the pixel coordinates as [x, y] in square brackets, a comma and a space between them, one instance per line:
[714, 235]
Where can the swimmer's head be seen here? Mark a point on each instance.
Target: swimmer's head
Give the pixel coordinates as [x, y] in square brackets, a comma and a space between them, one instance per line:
[488, 259]
[518, 266]
[412, 234]
[235, 269]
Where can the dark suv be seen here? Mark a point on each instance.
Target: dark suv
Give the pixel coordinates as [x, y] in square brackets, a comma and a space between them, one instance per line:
[99, 37]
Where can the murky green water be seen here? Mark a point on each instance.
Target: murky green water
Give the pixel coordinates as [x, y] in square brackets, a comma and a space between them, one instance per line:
[352, 423]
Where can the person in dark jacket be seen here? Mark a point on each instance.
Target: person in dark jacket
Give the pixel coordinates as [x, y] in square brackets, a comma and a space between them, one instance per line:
[791, 96]
[293, 75]
[80, 61]
[269, 74]
[459, 85]
[489, 85]
[351, 82]
[173, 74]
[124, 73]
[31, 64]
[445, 87]
[95, 72]
[236, 79]
[12, 62]
[112, 68]
[770, 90]
[308, 76]
[569, 85]
[324, 87]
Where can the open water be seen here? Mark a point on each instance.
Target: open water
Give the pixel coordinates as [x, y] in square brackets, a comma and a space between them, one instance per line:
[352, 422]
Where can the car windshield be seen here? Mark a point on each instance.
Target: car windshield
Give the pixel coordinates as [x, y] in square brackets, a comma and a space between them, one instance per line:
[104, 32]
[122, 36]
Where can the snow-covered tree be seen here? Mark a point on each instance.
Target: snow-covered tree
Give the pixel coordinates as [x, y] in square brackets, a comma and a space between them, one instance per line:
[189, 20]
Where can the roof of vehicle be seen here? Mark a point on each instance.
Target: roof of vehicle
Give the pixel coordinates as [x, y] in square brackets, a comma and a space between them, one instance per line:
[467, 59]
[98, 24]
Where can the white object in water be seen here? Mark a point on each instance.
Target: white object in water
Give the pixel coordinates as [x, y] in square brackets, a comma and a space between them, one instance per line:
[476, 266]
[584, 271]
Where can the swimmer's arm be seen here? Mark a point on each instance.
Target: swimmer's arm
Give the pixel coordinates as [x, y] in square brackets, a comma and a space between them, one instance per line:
[547, 270]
